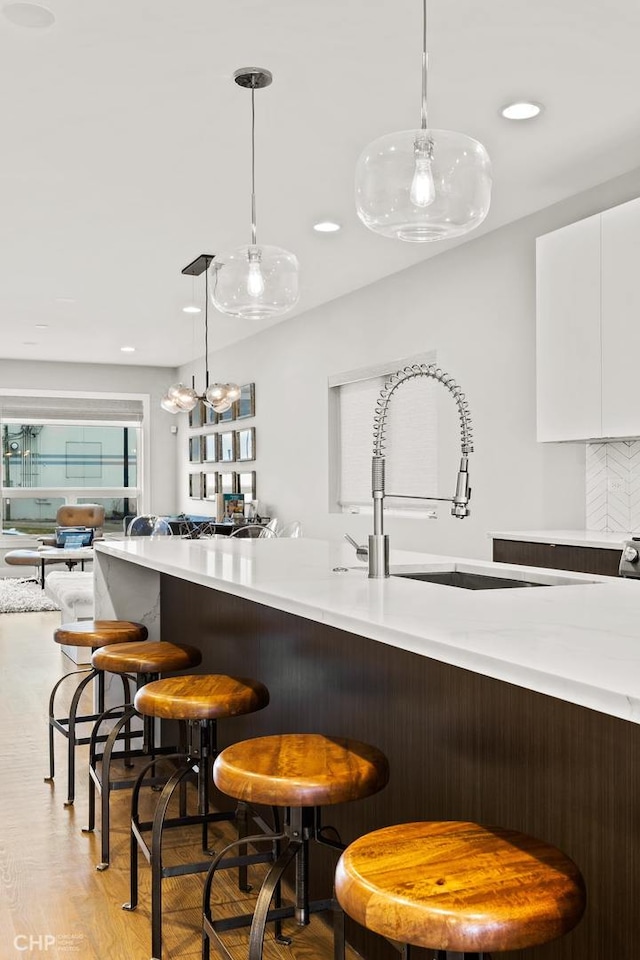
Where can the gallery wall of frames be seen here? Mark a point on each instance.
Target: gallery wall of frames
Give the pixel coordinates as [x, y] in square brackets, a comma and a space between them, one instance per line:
[223, 449]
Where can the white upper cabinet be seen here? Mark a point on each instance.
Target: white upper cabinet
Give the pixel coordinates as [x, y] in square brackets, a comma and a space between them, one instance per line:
[568, 332]
[620, 320]
[588, 327]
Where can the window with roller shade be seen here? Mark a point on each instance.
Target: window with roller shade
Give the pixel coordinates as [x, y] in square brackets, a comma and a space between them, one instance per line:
[411, 438]
[69, 448]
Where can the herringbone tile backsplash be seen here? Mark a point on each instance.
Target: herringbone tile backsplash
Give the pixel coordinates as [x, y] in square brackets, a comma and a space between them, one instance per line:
[613, 486]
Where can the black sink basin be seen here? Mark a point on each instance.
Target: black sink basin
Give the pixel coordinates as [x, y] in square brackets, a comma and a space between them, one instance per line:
[468, 581]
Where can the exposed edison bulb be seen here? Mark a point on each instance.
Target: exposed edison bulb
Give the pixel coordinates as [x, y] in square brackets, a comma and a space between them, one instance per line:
[423, 191]
[255, 280]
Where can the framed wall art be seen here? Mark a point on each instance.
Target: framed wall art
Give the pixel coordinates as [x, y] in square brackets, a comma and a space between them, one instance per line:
[210, 486]
[196, 486]
[210, 447]
[227, 482]
[195, 449]
[197, 415]
[228, 416]
[246, 444]
[246, 405]
[210, 416]
[227, 446]
[247, 484]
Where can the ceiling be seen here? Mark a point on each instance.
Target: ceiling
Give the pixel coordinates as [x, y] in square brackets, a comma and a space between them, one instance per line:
[126, 146]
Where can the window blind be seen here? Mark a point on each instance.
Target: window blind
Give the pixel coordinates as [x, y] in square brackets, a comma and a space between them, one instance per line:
[32, 409]
[411, 440]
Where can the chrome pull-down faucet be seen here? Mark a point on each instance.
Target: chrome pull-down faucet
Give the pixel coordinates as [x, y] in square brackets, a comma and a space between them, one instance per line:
[378, 540]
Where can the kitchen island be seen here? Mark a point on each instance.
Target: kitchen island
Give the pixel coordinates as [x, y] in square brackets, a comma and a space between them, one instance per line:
[517, 706]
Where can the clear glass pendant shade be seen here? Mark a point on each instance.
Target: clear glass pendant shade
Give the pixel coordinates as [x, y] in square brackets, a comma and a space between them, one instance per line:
[422, 185]
[184, 397]
[255, 282]
[221, 396]
[233, 392]
[169, 405]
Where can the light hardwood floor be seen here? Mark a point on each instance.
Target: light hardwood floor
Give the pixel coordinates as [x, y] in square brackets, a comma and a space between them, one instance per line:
[54, 903]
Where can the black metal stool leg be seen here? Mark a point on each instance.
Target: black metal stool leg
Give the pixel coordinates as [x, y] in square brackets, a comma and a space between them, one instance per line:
[338, 933]
[101, 691]
[242, 828]
[124, 720]
[207, 747]
[52, 763]
[93, 760]
[105, 794]
[272, 881]
[133, 840]
[159, 817]
[71, 738]
[52, 718]
[223, 862]
[136, 832]
[302, 885]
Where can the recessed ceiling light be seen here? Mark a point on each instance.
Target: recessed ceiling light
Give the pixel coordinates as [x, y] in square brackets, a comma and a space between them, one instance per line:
[327, 226]
[127, 349]
[28, 15]
[29, 343]
[191, 308]
[42, 326]
[521, 110]
[65, 300]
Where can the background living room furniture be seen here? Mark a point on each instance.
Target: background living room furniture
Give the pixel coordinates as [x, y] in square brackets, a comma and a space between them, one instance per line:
[77, 515]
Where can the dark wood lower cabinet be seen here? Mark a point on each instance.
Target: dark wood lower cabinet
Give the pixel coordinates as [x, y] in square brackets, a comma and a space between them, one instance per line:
[558, 556]
[460, 746]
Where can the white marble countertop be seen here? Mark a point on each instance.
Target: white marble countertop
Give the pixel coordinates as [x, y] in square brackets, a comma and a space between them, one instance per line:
[579, 641]
[571, 538]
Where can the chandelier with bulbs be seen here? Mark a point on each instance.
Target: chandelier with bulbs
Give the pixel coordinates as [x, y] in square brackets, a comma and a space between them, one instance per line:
[180, 398]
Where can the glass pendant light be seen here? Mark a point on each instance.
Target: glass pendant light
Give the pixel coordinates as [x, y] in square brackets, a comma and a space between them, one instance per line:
[182, 398]
[218, 396]
[423, 185]
[255, 282]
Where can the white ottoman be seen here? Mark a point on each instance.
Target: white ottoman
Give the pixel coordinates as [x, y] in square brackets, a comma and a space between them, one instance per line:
[73, 592]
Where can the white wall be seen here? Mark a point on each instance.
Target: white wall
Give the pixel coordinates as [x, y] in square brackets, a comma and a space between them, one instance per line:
[117, 379]
[475, 305]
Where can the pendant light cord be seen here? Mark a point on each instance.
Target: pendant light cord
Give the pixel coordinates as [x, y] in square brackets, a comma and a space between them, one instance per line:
[206, 328]
[253, 166]
[424, 65]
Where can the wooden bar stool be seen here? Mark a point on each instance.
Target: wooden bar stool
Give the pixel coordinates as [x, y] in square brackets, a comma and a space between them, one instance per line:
[94, 634]
[302, 773]
[459, 888]
[144, 662]
[200, 701]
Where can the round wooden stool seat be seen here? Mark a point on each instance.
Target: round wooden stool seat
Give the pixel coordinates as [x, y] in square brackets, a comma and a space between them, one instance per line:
[300, 770]
[460, 887]
[153, 656]
[201, 697]
[98, 633]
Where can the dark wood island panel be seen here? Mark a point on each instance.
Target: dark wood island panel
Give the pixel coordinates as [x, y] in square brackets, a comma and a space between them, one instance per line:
[460, 746]
[558, 556]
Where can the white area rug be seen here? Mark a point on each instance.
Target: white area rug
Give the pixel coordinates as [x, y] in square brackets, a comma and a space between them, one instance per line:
[23, 596]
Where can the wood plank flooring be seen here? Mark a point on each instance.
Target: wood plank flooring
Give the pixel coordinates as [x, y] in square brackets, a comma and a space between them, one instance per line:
[53, 901]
